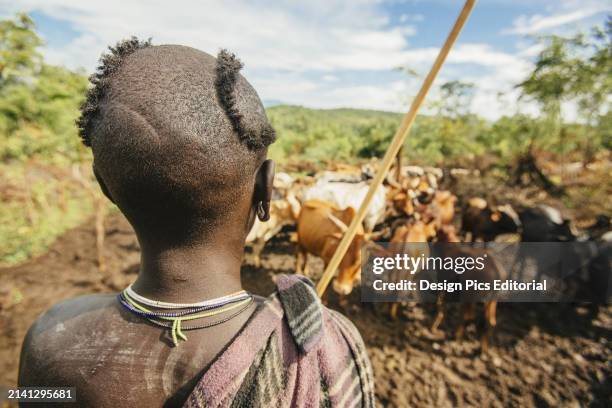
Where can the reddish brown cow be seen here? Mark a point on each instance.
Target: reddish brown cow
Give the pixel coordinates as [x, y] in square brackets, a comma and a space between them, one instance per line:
[493, 270]
[409, 235]
[320, 228]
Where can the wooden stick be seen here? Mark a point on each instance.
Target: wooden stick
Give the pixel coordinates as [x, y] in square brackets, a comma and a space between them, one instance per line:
[396, 143]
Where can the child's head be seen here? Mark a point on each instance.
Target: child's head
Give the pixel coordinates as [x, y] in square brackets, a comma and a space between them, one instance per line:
[179, 139]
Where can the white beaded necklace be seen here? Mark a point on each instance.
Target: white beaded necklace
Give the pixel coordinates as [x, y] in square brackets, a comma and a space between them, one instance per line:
[234, 297]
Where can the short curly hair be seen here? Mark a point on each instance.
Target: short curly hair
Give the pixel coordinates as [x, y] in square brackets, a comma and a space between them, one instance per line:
[109, 64]
[228, 67]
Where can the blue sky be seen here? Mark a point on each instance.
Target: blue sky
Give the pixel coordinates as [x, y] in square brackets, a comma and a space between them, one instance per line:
[327, 53]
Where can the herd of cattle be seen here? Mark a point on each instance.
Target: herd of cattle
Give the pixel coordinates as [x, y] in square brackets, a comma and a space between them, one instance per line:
[408, 208]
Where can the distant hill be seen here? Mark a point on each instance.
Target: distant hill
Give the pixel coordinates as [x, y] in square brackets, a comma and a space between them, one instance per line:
[332, 114]
[351, 135]
[323, 134]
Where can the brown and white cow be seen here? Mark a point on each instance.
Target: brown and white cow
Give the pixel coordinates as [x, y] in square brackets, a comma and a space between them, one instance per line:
[348, 194]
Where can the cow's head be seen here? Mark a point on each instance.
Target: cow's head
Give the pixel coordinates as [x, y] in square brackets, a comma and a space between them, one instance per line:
[417, 231]
[425, 192]
[506, 219]
[403, 203]
[445, 198]
[412, 238]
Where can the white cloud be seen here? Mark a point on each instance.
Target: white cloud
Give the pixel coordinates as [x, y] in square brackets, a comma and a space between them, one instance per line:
[319, 34]
[285, 45]
[503, 71]
[383, 97]
[530, 50]
[411, 17]
[538, 23]
[497, 72]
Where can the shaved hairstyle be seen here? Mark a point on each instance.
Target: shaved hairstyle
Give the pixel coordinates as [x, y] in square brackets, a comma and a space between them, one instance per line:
[177, 136]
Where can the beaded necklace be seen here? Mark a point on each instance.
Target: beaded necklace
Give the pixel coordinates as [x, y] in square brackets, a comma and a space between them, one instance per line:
[167, 305]
[239, 300]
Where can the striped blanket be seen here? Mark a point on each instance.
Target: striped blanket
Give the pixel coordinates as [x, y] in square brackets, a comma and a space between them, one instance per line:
[293, 352]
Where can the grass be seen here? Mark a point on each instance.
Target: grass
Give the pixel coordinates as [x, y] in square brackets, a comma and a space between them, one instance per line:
[38, 205]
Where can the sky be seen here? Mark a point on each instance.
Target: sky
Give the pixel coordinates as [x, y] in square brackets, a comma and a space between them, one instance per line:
[328, 53]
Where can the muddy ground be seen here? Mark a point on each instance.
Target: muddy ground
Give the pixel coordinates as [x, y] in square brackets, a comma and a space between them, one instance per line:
[542, 354]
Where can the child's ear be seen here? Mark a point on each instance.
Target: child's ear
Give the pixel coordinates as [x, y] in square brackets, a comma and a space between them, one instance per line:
[102, 184]
[263, 189]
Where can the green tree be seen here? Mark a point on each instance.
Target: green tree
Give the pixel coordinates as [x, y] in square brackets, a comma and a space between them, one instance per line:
[19, 44]
[38, 102]
[576, 69]
[455, 98]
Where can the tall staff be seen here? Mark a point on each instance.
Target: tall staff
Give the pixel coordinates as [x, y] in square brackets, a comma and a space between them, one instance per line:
[396, 144]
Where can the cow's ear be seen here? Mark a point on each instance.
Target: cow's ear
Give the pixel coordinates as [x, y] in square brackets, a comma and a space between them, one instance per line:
[495, 216]
[350, 211]
[264, 184]
[347, 215]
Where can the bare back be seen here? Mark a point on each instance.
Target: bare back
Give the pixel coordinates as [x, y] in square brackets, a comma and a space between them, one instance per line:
[115, 359]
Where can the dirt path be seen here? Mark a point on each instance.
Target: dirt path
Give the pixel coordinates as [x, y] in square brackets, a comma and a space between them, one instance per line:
[543, 355]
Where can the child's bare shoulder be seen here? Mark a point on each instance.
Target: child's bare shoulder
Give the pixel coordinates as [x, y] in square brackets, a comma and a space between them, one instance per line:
[73, 312]
[63, 326]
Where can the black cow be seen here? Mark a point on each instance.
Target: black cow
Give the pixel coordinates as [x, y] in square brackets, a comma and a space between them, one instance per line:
[486, 222]
[545, 224]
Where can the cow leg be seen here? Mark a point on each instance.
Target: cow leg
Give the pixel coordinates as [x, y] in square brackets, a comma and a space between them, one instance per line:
[490, 323]
[300, 260]
[469, 236]
[466, 316]
[493, 313]
[305, 269]
[258, 247]
[439, 312]
[521, 269]
[393, 310]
